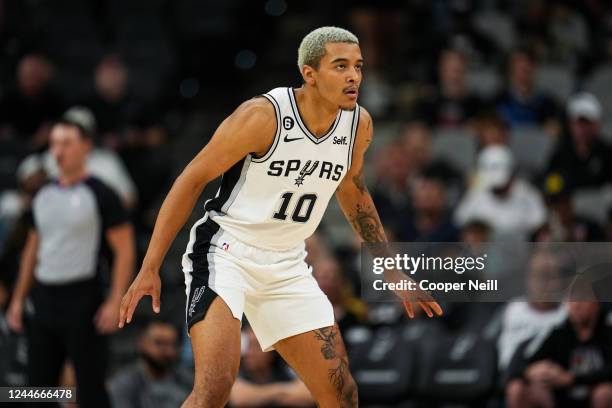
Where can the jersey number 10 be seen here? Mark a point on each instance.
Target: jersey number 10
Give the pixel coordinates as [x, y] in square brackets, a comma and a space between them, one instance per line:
[299, 214]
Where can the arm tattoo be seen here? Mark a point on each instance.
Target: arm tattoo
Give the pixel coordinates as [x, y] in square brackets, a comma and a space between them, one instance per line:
[367, 225]
[359, 181]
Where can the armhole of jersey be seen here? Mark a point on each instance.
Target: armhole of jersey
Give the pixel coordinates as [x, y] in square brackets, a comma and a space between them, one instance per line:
[277, 114]
[354, 127]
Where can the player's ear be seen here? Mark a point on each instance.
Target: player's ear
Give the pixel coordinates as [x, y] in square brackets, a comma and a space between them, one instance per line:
[308, 74]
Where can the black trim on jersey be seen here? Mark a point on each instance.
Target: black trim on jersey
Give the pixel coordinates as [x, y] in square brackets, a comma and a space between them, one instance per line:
[298, 117]
[277, 114]
[200, 275]
[228, 182]
[354, 128]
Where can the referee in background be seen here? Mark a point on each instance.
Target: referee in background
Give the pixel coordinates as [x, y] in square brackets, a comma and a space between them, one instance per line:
[74, 218]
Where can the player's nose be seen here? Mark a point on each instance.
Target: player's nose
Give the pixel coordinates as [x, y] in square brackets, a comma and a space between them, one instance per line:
[352, 76]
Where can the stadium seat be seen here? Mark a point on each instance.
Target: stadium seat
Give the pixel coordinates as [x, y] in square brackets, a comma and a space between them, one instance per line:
[532, 148]
[599, 84]
[497, 26]
[383, 367]
[484, 81]
[457, 147]
[462, 368]
[555, 80]
[592, 203]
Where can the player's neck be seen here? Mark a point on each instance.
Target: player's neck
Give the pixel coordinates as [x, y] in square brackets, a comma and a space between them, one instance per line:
[317, 114]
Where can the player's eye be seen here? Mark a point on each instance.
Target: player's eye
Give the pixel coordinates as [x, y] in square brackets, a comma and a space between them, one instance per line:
[340, 66]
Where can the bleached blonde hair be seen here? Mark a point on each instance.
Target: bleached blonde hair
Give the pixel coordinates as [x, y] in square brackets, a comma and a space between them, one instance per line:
[312, 47]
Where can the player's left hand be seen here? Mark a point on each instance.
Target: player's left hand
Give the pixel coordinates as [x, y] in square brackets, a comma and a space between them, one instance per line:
[107, 315]
[414, 298]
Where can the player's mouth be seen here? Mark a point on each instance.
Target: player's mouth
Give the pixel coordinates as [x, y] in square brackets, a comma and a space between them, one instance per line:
[352, 92]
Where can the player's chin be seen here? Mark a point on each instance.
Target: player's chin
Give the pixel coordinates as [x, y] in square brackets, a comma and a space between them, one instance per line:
[348, 105]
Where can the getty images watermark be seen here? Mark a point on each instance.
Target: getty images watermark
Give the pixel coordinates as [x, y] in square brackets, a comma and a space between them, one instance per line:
[413, 264]
[486, 272]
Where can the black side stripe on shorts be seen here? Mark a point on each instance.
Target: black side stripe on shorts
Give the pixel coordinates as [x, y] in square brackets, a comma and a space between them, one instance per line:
[201, 295]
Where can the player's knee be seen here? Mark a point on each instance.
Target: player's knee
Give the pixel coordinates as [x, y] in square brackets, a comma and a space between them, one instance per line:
[213, 394]
[601, 396]
[350, 393]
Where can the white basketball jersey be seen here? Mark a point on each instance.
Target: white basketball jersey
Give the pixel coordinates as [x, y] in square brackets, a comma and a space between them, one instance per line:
[277, 200]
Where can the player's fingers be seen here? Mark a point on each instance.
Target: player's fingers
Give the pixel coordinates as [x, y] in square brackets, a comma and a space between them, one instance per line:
[436, 308]
[409, 309]
[132, 306]
[155, 300]
[426, 308]
[123, 308]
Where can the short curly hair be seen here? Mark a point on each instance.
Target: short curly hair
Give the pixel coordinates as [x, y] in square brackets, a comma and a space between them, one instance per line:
[312, 47]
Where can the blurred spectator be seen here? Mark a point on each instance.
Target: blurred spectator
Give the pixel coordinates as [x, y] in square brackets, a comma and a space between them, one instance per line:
[571, 367]
[450, 105]
[153, 381]
[102, 162]
[508, 204]
[399, 164]
[430, 220]
[134, 129]
[390, 190]
[475, 232]
[416, 144]
[582, 154]
[568, 35]
[13, 203]
[264, 381]
[521, 104]
[27, 109]
[71, 218]
[31, 177]
[112, 108]
[524, 318]
[453, 20]
[564, 225]
[491, 130]
[348, 309]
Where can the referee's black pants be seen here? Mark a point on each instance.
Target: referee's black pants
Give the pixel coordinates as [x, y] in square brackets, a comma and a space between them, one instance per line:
[62, 328]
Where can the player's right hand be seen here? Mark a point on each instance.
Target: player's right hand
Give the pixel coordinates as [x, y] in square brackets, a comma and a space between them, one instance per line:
[413, 298]
[14, 316]
[147, 283]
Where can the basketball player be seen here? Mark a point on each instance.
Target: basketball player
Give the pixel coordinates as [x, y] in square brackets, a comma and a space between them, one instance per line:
[282, 157]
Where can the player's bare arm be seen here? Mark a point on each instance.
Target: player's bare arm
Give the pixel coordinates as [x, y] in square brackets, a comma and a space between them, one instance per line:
[358, 207]
[249, 129]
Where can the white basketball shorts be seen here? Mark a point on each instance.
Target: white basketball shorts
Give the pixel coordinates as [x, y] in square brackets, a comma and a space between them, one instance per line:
[274, 289]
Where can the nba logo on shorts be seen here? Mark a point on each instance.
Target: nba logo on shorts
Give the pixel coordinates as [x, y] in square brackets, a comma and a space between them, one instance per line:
[197, 295]
[225, 246]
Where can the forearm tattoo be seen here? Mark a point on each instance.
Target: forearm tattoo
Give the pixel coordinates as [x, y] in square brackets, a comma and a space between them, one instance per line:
[359, 181]
[366, 223]
[338, 376]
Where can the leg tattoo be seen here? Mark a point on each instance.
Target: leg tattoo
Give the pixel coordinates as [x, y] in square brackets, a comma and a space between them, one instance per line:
[346, 393]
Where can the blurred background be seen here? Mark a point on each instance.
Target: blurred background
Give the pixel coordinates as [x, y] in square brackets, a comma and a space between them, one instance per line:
[493, 120]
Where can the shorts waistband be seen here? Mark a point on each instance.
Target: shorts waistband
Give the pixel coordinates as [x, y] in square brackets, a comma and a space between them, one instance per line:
[210, 223]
